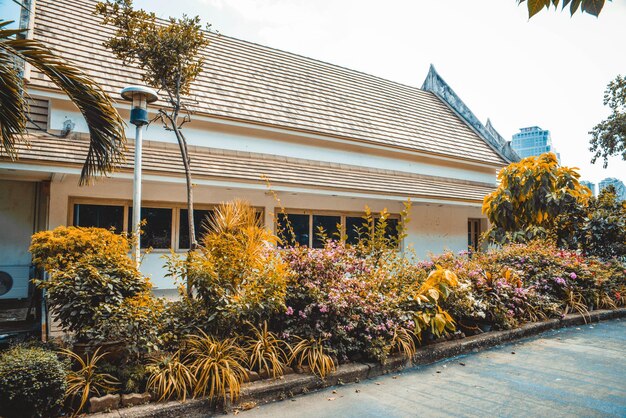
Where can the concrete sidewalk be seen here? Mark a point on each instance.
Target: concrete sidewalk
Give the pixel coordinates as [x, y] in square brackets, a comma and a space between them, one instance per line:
[577, 371]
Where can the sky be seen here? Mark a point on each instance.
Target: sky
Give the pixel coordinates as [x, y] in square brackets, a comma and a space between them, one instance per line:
[550, 71]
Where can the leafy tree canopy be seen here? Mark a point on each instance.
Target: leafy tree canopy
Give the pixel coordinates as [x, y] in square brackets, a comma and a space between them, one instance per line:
[603, 233]
[608, 138]
[168, 52]
[170, 55]
[593, 7]
[536, 198]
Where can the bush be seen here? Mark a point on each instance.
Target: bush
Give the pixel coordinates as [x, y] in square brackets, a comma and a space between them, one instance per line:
[536, 198]
[91, 279]
[521, 283]
[32, 383]
[237, 274]
[603, 233]
[355, 304]
[64, 246]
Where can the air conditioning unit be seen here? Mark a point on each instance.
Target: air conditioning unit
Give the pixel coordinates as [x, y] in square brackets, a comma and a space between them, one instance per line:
[14, 282]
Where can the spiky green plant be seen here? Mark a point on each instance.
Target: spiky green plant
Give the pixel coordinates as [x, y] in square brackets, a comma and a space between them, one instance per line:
[170, 377]
[311, 353]
[217, 366]
[106, 128]
[265, 351]
[86, 380]
[403, 342]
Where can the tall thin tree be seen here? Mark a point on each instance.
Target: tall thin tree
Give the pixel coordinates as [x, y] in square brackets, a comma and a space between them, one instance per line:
[168, 53]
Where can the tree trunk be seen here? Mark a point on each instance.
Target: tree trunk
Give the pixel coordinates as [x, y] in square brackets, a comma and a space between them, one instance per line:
[193, 243]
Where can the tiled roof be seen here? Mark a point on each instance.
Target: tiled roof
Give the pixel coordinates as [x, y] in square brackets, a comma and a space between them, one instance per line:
[164, 159]
[253, 83]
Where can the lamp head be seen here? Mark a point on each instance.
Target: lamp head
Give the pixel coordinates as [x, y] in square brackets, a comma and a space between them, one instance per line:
[139, 96]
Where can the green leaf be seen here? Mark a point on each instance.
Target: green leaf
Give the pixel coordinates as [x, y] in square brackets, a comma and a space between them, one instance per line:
[535, 6]
[593, 7]
[574, 7]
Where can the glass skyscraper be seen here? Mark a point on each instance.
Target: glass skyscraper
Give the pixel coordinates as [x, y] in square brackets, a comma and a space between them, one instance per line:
[620, 189]
[591, 185]
[533, 141]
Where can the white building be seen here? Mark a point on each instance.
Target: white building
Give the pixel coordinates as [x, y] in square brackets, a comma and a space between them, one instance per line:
[329, 140]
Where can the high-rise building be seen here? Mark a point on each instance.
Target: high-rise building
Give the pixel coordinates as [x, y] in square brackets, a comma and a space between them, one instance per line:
[533, 141]
[620, 189]
[590, 184]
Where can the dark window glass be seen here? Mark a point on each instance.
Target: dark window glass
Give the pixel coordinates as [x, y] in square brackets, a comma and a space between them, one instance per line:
[354, 225]
[299, 225]
[473, 233]
[100, 216]
[391, 230]
[330, 226]
[201, 222]
[157, 232]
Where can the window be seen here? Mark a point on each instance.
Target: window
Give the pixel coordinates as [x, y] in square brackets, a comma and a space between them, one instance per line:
[299, 232]
[355, 227]
[99, 216]
[331, 226]
[166, 225]
[306, 228]
[200, 220]
[157, 232]
[473, 233]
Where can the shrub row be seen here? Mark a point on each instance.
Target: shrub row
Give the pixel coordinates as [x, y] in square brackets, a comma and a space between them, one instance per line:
[247, 306]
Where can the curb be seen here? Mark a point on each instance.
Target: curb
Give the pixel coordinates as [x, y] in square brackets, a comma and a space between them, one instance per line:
[265, 391]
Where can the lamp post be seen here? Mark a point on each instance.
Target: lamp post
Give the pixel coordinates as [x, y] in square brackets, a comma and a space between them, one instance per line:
[139, 96]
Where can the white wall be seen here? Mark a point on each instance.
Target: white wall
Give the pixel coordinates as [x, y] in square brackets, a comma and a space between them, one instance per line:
[17, 221]
[239, 138]
[433, 227]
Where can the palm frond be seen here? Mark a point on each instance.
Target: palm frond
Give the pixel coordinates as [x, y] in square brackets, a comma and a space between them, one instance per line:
[106, 128]
[13, 106]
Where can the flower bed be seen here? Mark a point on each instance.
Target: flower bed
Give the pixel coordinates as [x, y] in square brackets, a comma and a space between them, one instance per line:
[256, 311]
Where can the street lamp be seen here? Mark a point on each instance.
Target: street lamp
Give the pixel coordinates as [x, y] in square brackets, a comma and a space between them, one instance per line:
[139, 96]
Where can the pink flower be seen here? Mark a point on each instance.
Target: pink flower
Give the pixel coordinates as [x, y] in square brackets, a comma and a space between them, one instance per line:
[573, 276]
[289, 310]
[323, 309]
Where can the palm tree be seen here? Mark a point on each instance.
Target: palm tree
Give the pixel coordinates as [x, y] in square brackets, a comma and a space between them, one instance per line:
[106, 128]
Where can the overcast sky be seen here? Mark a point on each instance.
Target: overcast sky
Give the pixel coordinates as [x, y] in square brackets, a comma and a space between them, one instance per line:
[550, 71]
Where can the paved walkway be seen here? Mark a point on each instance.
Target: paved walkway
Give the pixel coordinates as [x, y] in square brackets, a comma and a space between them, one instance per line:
[571, 372]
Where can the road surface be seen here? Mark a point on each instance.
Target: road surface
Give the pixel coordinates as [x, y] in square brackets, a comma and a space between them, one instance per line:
[573, 372]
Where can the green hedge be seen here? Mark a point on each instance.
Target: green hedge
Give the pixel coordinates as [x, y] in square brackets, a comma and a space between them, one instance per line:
[32, 383]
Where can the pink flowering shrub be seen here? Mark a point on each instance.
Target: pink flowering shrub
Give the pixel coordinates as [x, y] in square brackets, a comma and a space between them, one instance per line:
[565, 276]
[355, 303]
[520, 283]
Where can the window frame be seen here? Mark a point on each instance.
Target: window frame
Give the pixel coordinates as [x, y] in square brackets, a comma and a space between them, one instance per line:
[128, 203]
[479, 223]
[342, 216]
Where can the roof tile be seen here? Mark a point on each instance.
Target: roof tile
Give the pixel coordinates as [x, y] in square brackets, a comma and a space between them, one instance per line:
[258, 84]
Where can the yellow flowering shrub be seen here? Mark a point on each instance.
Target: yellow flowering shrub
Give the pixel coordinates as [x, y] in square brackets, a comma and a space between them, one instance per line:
[92, 283]
[236, 273]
